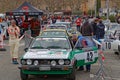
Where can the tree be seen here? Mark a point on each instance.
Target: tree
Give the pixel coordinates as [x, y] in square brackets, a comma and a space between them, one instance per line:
[98, 5]
[50, 4]
[71, 4]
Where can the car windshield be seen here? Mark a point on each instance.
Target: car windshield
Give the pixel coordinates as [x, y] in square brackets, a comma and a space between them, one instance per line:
[67, 24]
[114, 27]
[117, 33]
[51, 43]
[53, 33]
[57, 27]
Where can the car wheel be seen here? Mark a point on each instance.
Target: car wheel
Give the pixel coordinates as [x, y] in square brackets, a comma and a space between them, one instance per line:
[118, 47]
[116, 53]
[72, 76]
[23, 76]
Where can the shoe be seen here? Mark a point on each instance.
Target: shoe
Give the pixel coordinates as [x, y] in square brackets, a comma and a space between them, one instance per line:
[15, 62]
[87, 70]
[80, 69]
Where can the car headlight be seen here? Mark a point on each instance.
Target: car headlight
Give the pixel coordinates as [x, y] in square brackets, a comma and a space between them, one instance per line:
[23, 62]
[61, 61]
[67, 62]
[29, 62]
[36, 62]
[53, 63]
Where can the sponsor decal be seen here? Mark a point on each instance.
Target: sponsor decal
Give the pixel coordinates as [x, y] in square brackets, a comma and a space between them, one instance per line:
[25, 8]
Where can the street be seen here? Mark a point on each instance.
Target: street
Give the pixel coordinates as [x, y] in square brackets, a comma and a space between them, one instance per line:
[9, 71]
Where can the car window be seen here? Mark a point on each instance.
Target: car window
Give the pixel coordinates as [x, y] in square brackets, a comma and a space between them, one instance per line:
[51, 43]
[88, 42]
[67, 24]
[53, 33]
[114, 27]
[57, 27]
[117, 33]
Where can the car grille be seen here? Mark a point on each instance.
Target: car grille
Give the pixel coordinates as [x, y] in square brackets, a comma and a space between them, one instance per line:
[44, 62]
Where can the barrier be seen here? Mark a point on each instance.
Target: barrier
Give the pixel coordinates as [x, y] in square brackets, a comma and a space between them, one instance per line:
[101, 73]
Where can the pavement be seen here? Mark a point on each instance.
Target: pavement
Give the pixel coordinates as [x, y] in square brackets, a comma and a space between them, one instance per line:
[111, 68]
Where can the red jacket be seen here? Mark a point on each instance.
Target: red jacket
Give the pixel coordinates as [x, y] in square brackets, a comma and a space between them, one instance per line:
[78, 22]
[25, 25]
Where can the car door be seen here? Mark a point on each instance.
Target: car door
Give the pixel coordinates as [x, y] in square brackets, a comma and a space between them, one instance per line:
[83, 56]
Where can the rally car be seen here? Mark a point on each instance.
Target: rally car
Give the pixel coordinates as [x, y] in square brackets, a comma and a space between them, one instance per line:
[59, 30]
[55, 56]
[112, 41]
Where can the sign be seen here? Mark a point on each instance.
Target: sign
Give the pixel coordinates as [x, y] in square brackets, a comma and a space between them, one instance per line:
[26, 8]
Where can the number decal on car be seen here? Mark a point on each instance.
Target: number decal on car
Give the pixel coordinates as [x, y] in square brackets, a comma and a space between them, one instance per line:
[108, 45]
[89, 56]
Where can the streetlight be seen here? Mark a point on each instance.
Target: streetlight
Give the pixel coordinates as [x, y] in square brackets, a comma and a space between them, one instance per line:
[107, 4]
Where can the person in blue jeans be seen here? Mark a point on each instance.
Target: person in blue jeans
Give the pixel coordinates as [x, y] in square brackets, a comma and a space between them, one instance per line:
[84, 42]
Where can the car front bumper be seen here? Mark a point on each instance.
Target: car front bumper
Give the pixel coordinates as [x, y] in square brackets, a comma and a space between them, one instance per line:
[45, 69]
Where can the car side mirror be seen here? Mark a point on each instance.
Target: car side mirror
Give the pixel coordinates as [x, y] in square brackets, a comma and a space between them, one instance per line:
[26, 49]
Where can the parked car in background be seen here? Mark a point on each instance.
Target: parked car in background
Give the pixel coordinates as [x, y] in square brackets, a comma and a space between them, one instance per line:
[112, 41]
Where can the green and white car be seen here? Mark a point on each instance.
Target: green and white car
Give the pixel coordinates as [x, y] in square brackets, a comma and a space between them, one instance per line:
[56, 56]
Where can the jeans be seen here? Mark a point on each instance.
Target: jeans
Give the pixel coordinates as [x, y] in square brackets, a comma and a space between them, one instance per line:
[88, 67]
[78, 28]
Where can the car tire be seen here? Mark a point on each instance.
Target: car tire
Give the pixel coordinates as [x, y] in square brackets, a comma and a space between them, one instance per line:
[118, 47]
[72, 76]
[116, 53]
[23, 76]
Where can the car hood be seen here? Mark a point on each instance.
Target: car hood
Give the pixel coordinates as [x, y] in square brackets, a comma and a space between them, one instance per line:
[47, 54]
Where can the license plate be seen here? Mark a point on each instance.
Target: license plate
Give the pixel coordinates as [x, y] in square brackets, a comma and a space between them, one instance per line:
[44, 68]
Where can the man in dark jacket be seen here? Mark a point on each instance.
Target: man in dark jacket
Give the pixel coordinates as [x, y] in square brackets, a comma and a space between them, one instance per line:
[100, 30]
[86, 31]
[94, 25]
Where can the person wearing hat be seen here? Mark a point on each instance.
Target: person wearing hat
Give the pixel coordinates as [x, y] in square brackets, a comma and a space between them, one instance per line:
[14, 33]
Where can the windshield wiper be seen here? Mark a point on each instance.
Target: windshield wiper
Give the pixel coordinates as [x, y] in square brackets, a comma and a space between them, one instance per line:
[56, 47]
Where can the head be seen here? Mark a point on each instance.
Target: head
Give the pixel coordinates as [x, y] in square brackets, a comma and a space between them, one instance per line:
[86, 21]
[100, 20]
[13, 23]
